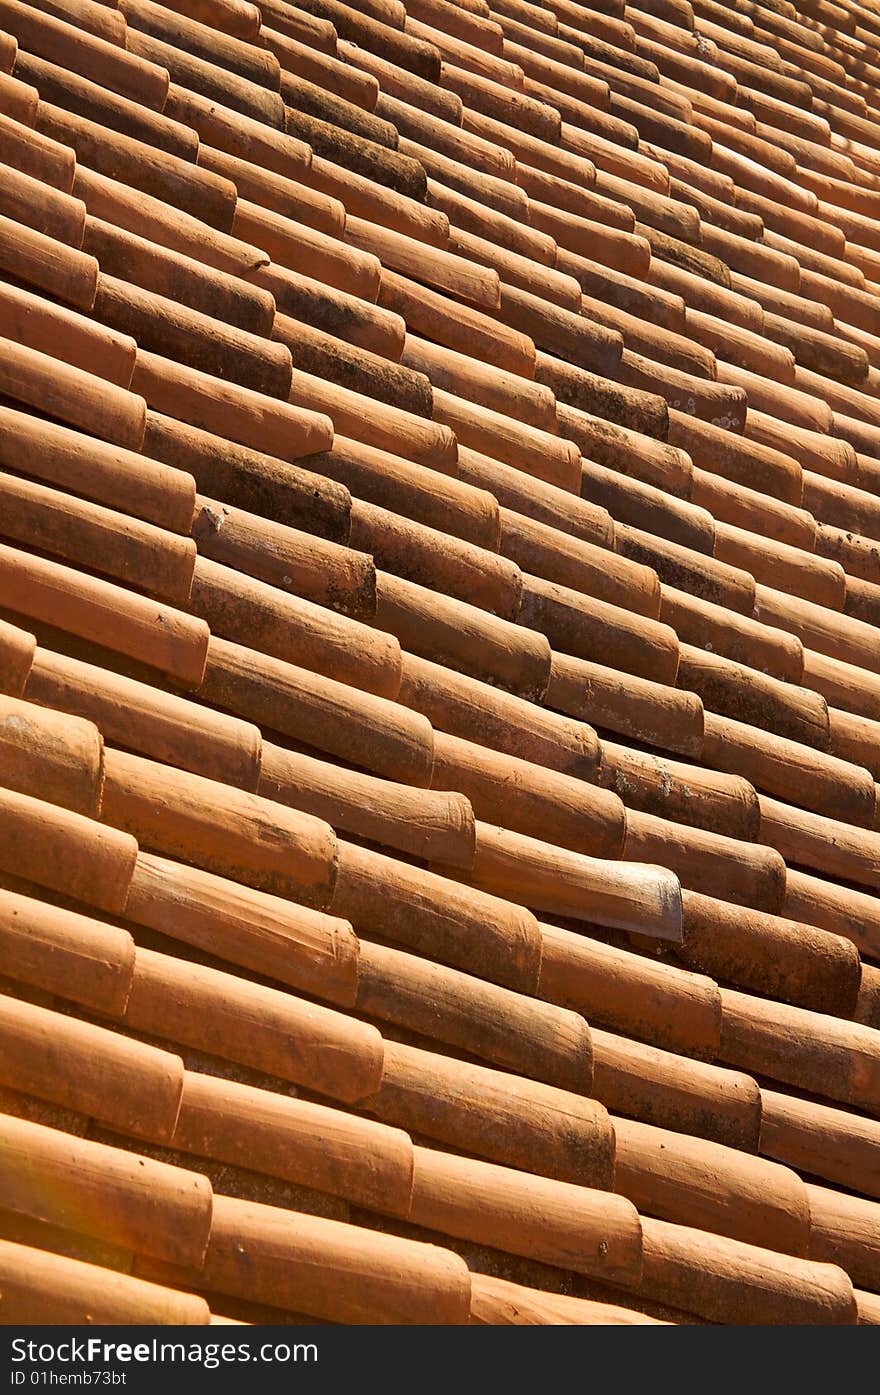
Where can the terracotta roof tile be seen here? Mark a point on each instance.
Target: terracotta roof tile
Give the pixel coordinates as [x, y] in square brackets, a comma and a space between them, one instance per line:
[581, 1229]
[59, 950]
[76, 396]
[684, 793]
[367, 1162]
[41, 1287]
[550, 1044]
[34, 258]
[361, 728]
[711, 1187]
[460, 925]
[676, 1092]
[317, 569]
[525, 1124]
[726, 1280]
[62, 757]
[109, 1077]
[637, 996]
[770, 954]
[440, 450]
[35, 323]
[101, 611]
[273, 1032]
[266, 845]
[133, 1203]
[17, 648]
[289, 943]
[126, 549]
[78, 95]
[342, 1272]
[496, 1302]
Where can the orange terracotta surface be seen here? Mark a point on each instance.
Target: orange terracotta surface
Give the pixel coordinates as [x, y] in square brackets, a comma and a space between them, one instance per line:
[439, 680]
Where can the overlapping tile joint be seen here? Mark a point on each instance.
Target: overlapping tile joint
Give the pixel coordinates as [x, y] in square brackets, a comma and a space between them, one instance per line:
[439, 664]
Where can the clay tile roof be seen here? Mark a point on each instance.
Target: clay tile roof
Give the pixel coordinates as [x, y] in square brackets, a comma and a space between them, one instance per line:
[439, 679]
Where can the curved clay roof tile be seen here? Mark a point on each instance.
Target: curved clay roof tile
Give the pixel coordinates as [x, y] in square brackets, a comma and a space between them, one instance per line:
[194, 338]
[37, 260]
[557, 881]
[170, 227]
[367, 1163]
[307, 251]
[112, 1195]
[594, 629]
[402, 211]
[638, 708]
[165, 272]
[105, 614]
[17, 649]
[244, 836]
[499, 1026]
[823, 783]
[781, 957]
[334, 312]
[535, 452]
[82, 97]
[196, 37]
[545, 503]
[63, 952]
[631, 993]
[520, 1123]
[377, 424]
[137, 553]
[120, 479]
[676, 1092]
[290, 943]
[476, 711]
[809, 1050]
[711, 1187]
[229, 409]
[687, 794]
[71, 46]
[489, 222]
[104, 352]
[707, 626]
[41, 1287]
[33, 154]
[18, 100]
[829, 1143]
[498, 1302]
[361, 89]
[531, 404]
[460, 636]
[433, 558]
[369, 731]
[746, 873]
[122, 1082]
[530, 799]
[435, 826]
[456, 924]
[264, 1028]
[728, 1281]
[541, 1218]
[331, 1270]
[747, 695]
[241, 608]
[578, 565]
[457, 327]
[342, 578]
[58, 758]
[158, 724]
